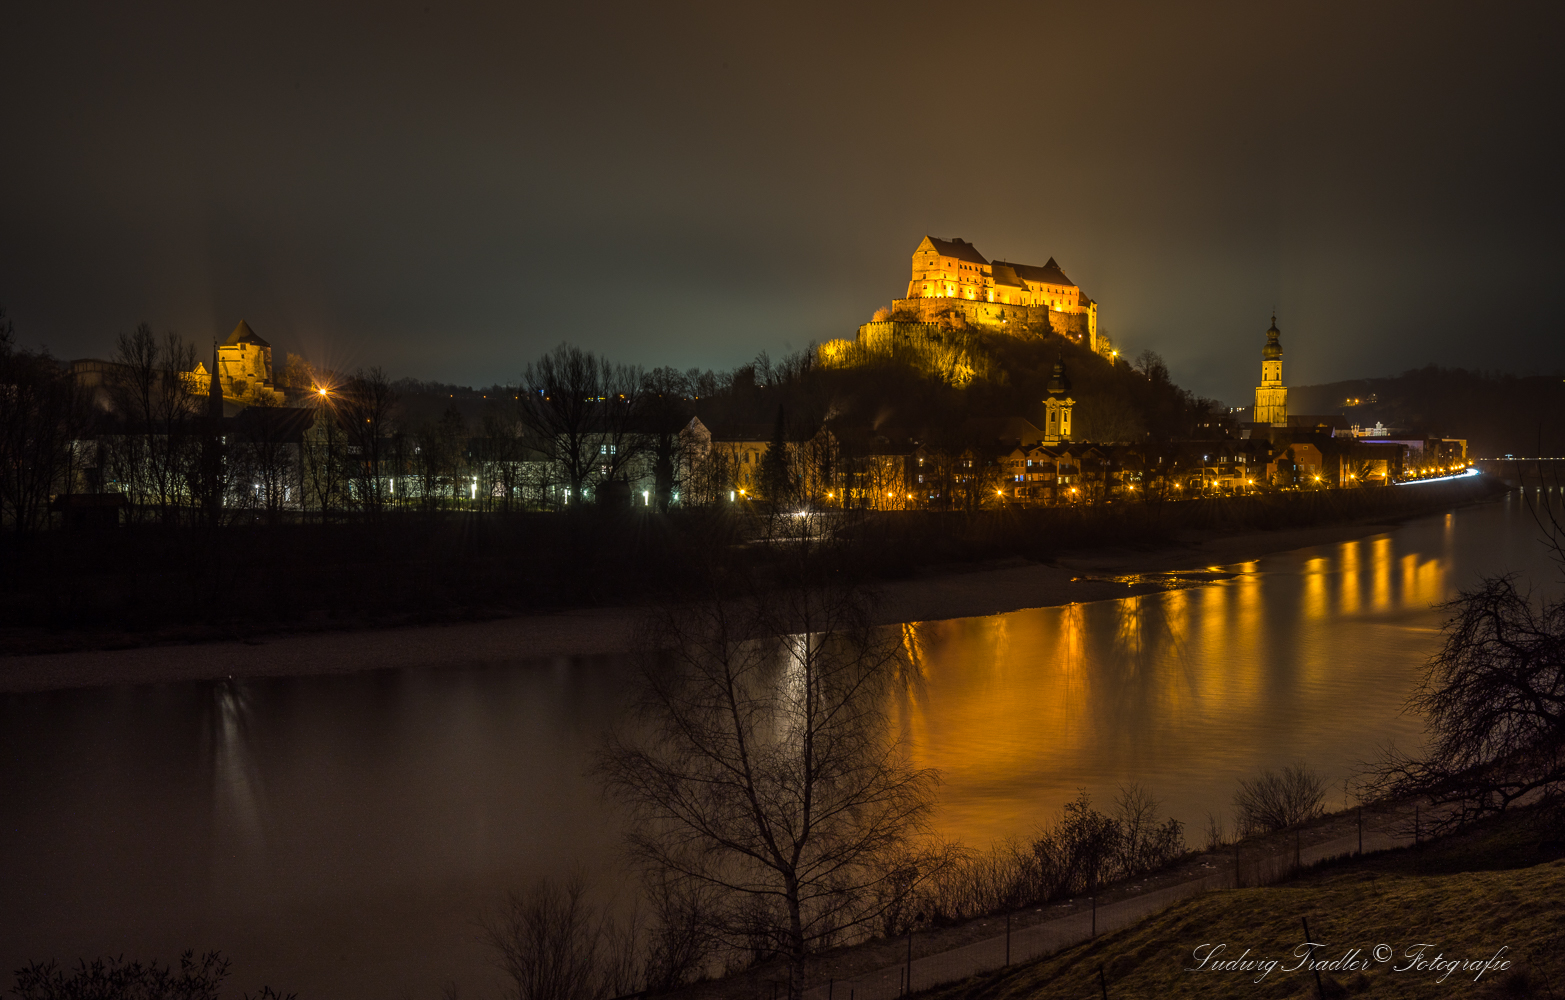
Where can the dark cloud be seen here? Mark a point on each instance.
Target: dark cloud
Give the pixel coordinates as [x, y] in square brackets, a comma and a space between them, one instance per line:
[448, 189]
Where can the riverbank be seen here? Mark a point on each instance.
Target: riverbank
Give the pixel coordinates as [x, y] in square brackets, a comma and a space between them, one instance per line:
[970, 591]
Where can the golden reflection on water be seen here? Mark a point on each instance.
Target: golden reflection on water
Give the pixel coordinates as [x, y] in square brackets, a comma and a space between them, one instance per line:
[1382, 561]
[1307, 655]
[1349, 602]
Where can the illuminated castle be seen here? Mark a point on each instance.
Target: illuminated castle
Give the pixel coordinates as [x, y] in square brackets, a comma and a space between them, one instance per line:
[244, 369]
[951, 276]
[1271, 396]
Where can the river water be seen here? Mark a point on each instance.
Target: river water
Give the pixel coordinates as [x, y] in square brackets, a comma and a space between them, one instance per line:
[340, 836]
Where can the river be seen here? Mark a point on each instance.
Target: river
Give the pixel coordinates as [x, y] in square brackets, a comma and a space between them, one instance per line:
[340, 835]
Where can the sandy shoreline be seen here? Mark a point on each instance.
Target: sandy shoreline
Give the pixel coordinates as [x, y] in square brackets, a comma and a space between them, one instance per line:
[598, 631]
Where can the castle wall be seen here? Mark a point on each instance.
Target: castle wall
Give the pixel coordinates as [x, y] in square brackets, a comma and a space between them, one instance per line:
[996, 315]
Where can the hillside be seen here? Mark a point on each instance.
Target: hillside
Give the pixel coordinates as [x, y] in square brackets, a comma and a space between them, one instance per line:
[1468, 896]
[1498, 414]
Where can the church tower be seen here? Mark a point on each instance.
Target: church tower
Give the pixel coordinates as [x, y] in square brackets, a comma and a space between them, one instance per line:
[1057, 407]
[1271, 396]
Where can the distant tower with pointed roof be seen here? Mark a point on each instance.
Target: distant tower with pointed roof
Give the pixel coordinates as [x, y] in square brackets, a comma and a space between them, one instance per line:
[1271, 396]
[1057, 406]
[241, 370]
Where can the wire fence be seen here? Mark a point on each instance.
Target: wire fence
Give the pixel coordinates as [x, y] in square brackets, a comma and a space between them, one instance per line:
[1253, 866]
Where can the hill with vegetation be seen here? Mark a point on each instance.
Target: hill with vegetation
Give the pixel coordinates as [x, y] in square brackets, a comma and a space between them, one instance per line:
[1498, 414]
[897, 395]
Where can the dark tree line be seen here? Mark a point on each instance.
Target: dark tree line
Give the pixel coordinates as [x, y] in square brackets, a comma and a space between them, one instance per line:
[42, 413]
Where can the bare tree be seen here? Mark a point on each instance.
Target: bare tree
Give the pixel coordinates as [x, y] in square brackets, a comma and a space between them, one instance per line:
[554, 943]
[324, 456]
[157, 452]
[764, 770]
[665, 412]
[41, 413]
[500, 456]
[264, 459]
[1493, 700]
[368, 403]
[1277, 800]
[620, 420]
[560, 403]
[438, 457]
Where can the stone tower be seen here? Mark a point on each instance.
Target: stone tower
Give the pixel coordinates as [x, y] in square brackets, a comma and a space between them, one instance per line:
[1057, 406]
[1271, 396]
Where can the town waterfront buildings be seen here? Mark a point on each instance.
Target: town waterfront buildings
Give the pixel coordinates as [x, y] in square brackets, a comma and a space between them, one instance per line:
[299, 447]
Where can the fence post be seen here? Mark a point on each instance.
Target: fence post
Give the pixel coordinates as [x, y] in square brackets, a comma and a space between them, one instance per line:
[1103, 983]
[1238, 882]
[910, 960]
[1094, 915]
[1360, 812]
[1007, 941]
[1417, 840]
[1298, 836]
[830, 985]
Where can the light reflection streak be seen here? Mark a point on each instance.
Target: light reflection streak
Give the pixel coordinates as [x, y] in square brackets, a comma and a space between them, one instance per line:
[1380, 562]
[238, 797]
[1348, 601]
[1315, 571]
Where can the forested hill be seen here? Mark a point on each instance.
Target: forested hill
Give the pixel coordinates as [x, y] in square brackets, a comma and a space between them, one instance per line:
[1498, 414]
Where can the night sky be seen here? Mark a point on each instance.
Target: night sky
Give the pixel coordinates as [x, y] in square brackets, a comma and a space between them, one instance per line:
[449, 189]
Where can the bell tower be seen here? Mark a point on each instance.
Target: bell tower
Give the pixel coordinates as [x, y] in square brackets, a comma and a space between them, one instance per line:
[1271, 396]
[1057, 406]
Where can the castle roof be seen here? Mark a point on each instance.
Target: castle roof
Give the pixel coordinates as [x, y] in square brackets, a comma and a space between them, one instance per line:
[1049, 274]
[960, 249]
[1004, 274]
[244, 335]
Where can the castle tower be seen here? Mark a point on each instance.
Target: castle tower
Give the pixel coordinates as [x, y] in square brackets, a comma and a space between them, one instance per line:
[1271, 396]
[1057, 406]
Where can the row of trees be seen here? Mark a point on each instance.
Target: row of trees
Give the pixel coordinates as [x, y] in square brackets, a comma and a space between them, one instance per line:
[576, 425]
[40, 408]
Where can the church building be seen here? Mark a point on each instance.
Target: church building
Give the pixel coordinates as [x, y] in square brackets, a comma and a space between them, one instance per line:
[1271, 396]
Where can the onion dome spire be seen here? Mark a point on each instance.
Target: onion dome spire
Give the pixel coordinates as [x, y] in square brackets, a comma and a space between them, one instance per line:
[1059, 384]
[1273, 348]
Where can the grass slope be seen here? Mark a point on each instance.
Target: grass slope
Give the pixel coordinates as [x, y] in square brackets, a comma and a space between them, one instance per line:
[1463, 896]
